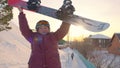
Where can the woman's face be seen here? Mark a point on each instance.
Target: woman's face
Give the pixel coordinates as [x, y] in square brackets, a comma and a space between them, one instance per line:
[43, 29]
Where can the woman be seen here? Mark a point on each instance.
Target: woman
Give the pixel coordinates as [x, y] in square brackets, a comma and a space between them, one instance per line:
[44, 46]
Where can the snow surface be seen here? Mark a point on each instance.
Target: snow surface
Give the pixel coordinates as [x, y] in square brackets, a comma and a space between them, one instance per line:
[99, 36]
[15, 51]
[103, 59]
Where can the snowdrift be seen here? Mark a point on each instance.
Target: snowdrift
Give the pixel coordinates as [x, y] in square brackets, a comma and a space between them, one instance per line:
[104, 59]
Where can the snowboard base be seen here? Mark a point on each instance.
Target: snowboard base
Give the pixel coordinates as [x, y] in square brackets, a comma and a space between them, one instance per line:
[89, 24]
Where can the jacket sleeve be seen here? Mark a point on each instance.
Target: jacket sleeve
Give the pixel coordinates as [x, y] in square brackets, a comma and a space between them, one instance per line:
[62, 31]
[24, 27]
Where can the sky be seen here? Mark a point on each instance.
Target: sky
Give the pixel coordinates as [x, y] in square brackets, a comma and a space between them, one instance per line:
[101, 10]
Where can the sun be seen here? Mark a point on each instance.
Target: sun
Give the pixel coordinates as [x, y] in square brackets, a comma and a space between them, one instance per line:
[77, 33]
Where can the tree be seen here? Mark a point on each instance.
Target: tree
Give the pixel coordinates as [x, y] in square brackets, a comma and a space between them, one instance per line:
[5, 15]
[84, 47]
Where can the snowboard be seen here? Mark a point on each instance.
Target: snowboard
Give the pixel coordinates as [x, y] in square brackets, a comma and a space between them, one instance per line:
[88, 24]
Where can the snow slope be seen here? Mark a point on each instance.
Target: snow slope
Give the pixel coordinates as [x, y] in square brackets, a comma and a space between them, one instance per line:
[14, 49]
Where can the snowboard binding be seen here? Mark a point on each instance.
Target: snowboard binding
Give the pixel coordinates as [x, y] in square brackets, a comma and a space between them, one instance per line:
[66, 10]
[33, 4]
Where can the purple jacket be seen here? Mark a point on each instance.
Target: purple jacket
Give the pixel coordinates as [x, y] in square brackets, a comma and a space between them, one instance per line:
[44, 52]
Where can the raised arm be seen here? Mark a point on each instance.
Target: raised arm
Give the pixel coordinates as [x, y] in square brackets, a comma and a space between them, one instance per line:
[24, 27]
[62, 31]
[65, 13]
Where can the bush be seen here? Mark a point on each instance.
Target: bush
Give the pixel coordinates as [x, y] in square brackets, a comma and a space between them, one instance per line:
[5, 15]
